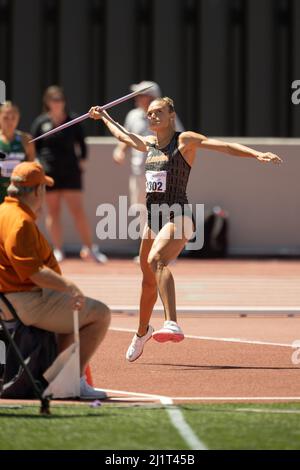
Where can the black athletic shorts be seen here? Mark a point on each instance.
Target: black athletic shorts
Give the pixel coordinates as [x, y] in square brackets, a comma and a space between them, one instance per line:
[158, 217]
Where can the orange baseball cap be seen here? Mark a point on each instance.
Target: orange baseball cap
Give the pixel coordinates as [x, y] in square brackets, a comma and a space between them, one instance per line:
[30, 174]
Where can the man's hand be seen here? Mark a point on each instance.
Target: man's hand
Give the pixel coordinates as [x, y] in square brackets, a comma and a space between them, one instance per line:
[269, 157]
[47, 278]
[77, 297]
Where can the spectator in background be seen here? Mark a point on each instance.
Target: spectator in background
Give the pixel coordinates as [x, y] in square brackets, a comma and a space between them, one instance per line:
[137, 122]
[63, 157]
[14, 144]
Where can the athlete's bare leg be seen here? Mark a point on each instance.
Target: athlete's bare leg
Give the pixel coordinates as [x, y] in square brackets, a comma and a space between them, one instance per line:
[149, 286]
[166, 247]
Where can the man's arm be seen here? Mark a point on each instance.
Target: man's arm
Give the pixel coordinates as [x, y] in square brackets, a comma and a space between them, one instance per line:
[47, 278]
[192, 139]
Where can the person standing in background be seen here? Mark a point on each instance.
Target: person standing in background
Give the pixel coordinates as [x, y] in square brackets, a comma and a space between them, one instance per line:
[63, 157]
[14, 144]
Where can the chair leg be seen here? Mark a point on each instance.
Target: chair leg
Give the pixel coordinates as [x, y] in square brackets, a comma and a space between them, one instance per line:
[45, 401]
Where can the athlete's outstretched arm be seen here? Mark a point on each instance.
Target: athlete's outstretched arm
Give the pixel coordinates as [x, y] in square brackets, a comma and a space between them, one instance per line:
[193, 139]
[118, 131]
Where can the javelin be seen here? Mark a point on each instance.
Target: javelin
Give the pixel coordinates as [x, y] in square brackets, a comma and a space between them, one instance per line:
[85, 116]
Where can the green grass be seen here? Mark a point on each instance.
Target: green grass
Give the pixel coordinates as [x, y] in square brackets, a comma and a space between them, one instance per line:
[82, 427]
[230, 426]
[246, 426]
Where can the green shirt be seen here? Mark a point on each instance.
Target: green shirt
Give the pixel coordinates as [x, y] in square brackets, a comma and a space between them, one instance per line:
[12, 153]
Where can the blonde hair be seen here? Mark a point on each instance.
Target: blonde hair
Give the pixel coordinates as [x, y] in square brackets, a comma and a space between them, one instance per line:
[168, 101]
[9, 105]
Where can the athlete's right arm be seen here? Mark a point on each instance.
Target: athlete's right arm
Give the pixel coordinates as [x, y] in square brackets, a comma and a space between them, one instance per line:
[119, 152]
[132, 140]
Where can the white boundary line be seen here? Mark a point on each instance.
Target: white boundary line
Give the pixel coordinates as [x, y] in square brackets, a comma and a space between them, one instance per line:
[215, 309]
[135, 398]
[178, 421]
[265, 410]
[236, 410]
[175, 415]
[212, 338]
[224, 399]
[235, 398]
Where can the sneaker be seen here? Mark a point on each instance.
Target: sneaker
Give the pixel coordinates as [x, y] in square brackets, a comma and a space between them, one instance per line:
[93, 254]
[137, 345]
[170, 332]
[90, 393]
[59, 255]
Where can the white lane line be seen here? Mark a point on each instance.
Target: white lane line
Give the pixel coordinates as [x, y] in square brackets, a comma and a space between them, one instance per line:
[215, 308]
[149, 396]
[238, 340]
[254, 410]
[147, 399]
[134, 398]
[235, 398]
[179, 423]
[175, 415]
[265, 410]
[212, 338]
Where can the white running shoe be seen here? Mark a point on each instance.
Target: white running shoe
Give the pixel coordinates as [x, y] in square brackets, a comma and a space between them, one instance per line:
[169, 332]
[137, 345]
[59, 255]
[93, 254]
[90, 393]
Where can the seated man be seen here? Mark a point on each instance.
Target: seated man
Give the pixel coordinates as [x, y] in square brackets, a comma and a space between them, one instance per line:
[31, 278]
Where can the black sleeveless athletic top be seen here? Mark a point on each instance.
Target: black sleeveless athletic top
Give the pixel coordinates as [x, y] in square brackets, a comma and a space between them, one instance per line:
[173, 177]
[170, 160]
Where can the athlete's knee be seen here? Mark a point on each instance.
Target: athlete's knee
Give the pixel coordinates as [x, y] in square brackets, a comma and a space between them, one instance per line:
[149, 283]
[156, 262]
[100, 313]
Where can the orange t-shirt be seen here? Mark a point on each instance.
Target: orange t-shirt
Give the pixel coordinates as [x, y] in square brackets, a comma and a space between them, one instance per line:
[23, 248]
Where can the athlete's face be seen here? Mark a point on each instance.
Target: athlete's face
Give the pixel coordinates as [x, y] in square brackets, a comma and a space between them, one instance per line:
[159, 116]
[9, 120]
[56, 104]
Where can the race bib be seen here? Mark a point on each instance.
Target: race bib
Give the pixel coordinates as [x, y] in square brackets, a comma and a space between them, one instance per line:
[7, 167]
[156, 181]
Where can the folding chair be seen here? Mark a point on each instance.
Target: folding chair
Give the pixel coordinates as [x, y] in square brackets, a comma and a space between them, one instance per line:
[45, 401]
